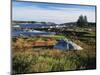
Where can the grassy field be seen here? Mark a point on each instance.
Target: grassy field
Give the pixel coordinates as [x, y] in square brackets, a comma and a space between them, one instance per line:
[27, 59]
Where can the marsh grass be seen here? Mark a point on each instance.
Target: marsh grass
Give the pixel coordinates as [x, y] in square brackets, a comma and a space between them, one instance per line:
[27, 59]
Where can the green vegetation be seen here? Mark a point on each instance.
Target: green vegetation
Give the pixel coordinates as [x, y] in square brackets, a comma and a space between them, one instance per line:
[51, 60]
[57, 36]
[82, 21]
[27, 59]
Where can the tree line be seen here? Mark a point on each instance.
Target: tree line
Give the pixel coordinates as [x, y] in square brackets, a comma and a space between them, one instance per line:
[82, 21]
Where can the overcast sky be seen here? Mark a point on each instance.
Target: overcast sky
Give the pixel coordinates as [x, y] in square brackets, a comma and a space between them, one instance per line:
[58, 13]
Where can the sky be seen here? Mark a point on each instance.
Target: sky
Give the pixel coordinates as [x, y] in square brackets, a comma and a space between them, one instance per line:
[50, 12]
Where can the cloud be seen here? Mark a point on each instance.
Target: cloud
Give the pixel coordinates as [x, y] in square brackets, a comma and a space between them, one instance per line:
[50, 13]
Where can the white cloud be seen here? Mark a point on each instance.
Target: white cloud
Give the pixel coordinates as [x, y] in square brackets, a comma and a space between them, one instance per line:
[58, 16]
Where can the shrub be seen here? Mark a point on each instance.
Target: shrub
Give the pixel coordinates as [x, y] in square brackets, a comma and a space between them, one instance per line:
[22, 62]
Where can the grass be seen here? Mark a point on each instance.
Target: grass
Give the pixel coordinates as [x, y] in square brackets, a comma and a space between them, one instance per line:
[31, 61]
[57, 37]
[27, 59]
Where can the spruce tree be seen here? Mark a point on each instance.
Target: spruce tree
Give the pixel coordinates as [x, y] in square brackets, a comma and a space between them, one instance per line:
[82, 21]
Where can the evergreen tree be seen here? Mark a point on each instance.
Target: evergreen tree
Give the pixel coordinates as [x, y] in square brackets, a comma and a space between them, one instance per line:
[82, 21]
[85, 21]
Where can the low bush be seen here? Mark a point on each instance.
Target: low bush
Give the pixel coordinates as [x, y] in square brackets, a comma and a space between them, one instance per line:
[22, 62]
